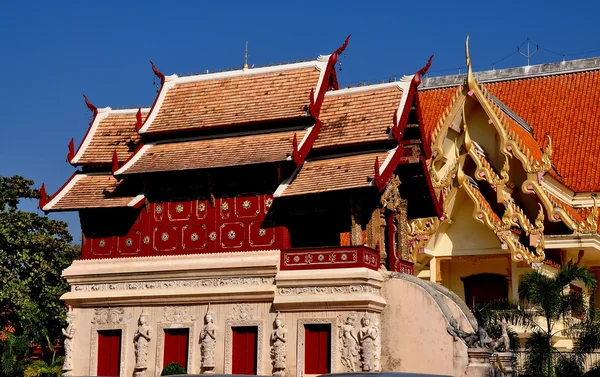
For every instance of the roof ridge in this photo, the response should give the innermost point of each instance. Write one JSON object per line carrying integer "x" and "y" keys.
{"x": 521, "y": 72}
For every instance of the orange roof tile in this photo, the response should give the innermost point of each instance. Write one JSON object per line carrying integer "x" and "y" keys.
{"x": 212, "y": 153}
{"x": 93, "y": 191}
{"x": 339, "y": 173}
{"x": 109, "y": 133}
{"x": 432, "y": 103}
{"x": 248, "y": 97}
{"x": 567, "y": 107}
{"x": 360, "y": 115}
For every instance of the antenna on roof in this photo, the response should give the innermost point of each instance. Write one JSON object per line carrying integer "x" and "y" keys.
{"x": 529, "y": 54}
{"x": 246, "y": 57}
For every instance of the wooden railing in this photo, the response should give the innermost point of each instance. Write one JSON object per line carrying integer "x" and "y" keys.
{"x": 329, "y": 257}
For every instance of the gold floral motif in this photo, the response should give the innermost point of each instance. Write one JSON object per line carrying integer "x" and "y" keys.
{"x": 212, "y": 236}
{"x": 164, "y": 236}
{"x": 179, "y": 208}
{"x": 246, "y": 204}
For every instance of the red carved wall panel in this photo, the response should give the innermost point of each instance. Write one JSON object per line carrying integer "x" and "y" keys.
{"x": 193, "y": 226}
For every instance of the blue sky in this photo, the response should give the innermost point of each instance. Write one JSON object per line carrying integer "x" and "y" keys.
{"x": 52, "y": 52}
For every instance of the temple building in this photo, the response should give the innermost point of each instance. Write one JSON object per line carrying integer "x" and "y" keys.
{"x": 266, "y": 221}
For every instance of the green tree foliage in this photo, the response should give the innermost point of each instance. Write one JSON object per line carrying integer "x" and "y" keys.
{"x": 173, "y": 369}
{"x": 13, "y": 355}
{"x": 34, "y": 250}
{"x": 549, "y": 299}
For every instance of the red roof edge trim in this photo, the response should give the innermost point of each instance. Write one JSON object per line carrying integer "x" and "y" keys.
{"x": 71, "y": 153}
{"x": 91, "y": 106}
{"x": 158, "y": 73}
{"x": 43, "y": 197}
{"x": 43, "y": 202}
{"x": 329, "y": 80}
{"x": 299, "y": 154}
{"x": 438, "y": 203}
{"x": 426, "y": 144}
{"x": 162, "y": 87}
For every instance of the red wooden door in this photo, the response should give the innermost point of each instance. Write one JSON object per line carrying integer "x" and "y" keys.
{"x": 243, "y": 353}
{"x": 317, "y": 348}
{"x": 109, "y": 352}
{"x": 176, "y": 347}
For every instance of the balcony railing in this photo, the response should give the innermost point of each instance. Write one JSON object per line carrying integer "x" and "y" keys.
{"x": 329, "y": 257}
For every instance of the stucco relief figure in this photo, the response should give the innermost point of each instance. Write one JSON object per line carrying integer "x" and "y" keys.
{"x": 278, "y": 344}
{"x": 366, "y": 339}
{"x": 479, "y": 339}
{"x": 503, "y": 344}
{"x": 141, "y": 338}
{"x": 208, "y": 340}
{"x": 349, "y": 343}
{"x": 377, "y": 349}
{"x": 68, "y": 332}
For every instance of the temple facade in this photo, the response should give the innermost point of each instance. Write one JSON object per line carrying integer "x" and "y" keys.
{"x": 266, "y": 221}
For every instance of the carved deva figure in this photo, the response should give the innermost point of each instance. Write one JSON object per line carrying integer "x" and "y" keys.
{"x": 504, "y": 341}
{"x": 349, "y": 343}
{"x": 141, "y": 338}
{"x": 278, "y": 342}
{"x": 69, "y": 332}
{"x": 208, "y": 337}
{"x": 366, "y": 339}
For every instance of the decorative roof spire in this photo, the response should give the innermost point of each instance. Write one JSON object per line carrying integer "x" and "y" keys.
{"x": 470, "y": 78}
{"x": 246, "y": 57}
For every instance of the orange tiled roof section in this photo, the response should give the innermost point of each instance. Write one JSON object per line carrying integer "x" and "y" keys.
{"x": 566, "y": 107}
{"x": 432, "y": 103}
{"x": 95, "y": 191}
{"x": 359, "y": 117}
{"x": 249, "y": 98}
{"x": 212, "y": 153}
{"x": 116, "y": 132}
{"x": 333, "y": 174}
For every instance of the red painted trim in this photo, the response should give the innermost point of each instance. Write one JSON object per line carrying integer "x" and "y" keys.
{"x": 437, "y": 203}
{"x": 162, "y": 86}
{"x": 417, "y": 78}
{"x": 71, "y": 153}
{"x": 329, "y": 257}
{"x": 299, "y": 155}
{"x": 377, "y": 174}
{"x": 314, "y": 107}
{"x": 94, "y": 109}
{"x": 48, "y": 200}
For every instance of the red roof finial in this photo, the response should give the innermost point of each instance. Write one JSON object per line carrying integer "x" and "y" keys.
{"x": 90, "y": 105}
{"x": 340, "y": 49}
{"x": 421, "y": 72}
{"x": 43, "y": 197}
{"x": 115, "y": 162}
{"x": 138, "y": 119}
{"x": 295, "y": 152}
{"x": 158, "y": 73}
{"x": 71, "y": 153}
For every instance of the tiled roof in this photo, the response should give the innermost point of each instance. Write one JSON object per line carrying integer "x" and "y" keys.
{"x": 361, "y": 115}
{"x": 199, "y": 102}
{"x": 112, "y": 132}
{"x": 212, "y": 153}
{"x": 567, "y": 107}
{"x": 432, "y": 103}
{"x": 93, "y": 191}
{"x": 338, "y": 173}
